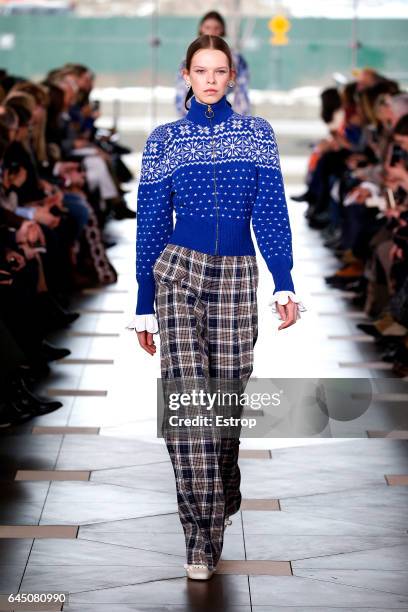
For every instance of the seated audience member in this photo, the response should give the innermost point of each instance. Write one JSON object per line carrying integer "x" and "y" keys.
{"x": 357, "y": 196}
{"x": 60, "y": 182}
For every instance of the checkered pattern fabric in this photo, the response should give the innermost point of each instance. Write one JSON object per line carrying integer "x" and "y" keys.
{"x": 208, "y": 324}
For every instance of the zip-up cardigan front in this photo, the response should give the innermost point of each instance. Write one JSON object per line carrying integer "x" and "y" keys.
{"x": 217, "y": 170}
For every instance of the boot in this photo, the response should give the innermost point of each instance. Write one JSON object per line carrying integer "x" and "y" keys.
{"x": 120, "y": 210}
{"x": 13, "y": 414}
{"x": 49, "y": 352}
{"x": 52, "y": 314}
{"x": 23, "y": 400}
{"x": 303, "y": 197}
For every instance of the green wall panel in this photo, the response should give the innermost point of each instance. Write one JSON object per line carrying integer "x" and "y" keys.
{"x": 120, "y": 46}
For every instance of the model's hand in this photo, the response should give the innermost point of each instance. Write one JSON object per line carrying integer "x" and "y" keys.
{"x": 288, "y": 313}
{"x": 146, "y": 342}
{"x": 287, "y": 306}
{"x": 145, "y": 326}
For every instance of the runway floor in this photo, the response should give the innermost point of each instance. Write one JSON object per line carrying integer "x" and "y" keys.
{"x": 88, "y": 505}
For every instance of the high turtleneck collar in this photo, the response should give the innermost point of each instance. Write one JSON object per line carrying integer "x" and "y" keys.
{"x": 222, "y": 110}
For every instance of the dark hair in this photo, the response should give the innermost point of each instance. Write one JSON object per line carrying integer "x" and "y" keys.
{"x": 77, "y": 69}
{"x": 38, "y": 92}
{"x": 213, "y": 15}
{"x": 9, "y": 81}
{"x": 55, "y": 98}
{"x": 4, "y": 143}
{"x": 380, "y": 88}
{"x": 22, "y": 112}
{"x": 401, "y": 127}
{"x": 8, "y": 117}
{"x": 331, "y": 101}
{"x": 54, "y": 110}
{"x": 206, "y": 42}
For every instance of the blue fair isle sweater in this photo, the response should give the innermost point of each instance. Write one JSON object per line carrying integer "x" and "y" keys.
{"x": 217, "y": 170}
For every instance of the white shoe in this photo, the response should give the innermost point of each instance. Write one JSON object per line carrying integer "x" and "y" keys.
{"x": 198, "y": 572}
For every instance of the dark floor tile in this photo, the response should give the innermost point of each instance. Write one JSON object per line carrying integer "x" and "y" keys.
{"x": 191, "y": 607}
{"x": 382, "y": 580}
{"x": 291, "y": 548}
{"x": 14, "y": 552}
{"x": 379, "y": 505}
{"x": 21, "y": 513}
{"x": 160, "y": 524}
{"x": 220, "y": 594}
{"x": 314, "y": 609}
{"x": 13, "y": 492}
{"x": 304, "y": 592}
{"x": 10, "y": 577}
{"x": 98, "y": 553}
{"x": 171, "y": 544}
{"x": 353, "y": 452}
{"x": 389, "y": 558}
{"x": 289, "y": 480}
{"x": 27, "y": 452}
{"x": 104, "y": 452}
{"x": 138, "y": 477}
{"x": 96, "y": 502}
{"x": 309, "y": 470}
{"x": 296, "y": 523}
{"x": 102, "y": 578}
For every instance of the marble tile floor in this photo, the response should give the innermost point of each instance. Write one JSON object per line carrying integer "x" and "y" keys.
{"x": 323, "y": 524}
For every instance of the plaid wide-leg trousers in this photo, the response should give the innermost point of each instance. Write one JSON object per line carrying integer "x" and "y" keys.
{"x": 206, "y": 308}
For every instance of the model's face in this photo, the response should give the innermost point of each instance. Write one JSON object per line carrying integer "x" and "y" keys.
{"x": 212, "y": 27}
{"x": 209, "y": 75}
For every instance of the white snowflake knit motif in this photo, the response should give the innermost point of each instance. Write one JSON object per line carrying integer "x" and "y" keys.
{"x": 178, "y": 175}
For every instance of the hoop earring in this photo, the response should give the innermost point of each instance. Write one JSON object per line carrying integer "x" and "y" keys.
{"x": 231, "y": 84}
{"x": 187, "y": 84}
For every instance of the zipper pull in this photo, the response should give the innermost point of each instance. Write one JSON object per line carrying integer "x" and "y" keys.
{"x": 210, "y": 111}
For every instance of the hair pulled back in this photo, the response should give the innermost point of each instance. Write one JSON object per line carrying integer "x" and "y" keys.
{"x": 206, "y": 42}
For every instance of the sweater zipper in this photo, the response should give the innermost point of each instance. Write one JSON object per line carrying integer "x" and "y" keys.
{"x": 210, "y": 115}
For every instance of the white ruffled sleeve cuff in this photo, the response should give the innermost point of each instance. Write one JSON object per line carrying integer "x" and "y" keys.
{"x": 146, "y": 322}
{"x": 282, "y": 298}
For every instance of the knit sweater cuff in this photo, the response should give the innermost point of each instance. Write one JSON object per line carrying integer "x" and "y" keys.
{"x": 282, "y": 278}
{"x": 145, "y": 296}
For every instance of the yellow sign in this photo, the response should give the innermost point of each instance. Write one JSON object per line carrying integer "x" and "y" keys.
{"x": 279, "y": 26}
